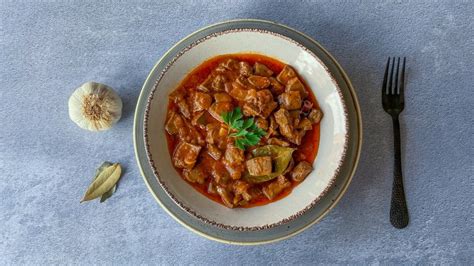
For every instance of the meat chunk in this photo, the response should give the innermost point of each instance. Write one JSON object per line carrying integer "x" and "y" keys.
{"x": 255, "y": 192}
{"x": 211, "y": 132}
{"x": 276, "y": 87}
{"x": 195, "y": 175}
{"x": 190, "y": 135}
{"x": 220, "y": 174}
{"x": 245, "y": 69}
{"x": 241, "y": 188}
{"x": 180, "y": 100}
{"x": 237, "y": 199}
{"x": 238, "y": 91}
{"x": 282, "y": 117}
{"x": 278, "y": 142}
{"x": 259, "y": 165}
{"x": 211, "y": 188}
{"x": 201, "y": 101}
{"x": 233, "y": 161}
{"x": 285, "y": 123}
{"x": 225, "y": 196}
{"x": 230, "y": 64}
{"x": 297, "y": 136}
{"x": 261, "y": 123}
{"x": 234, "y": 155}
{"x": 260, "y": 108}
{"x": 175, "y": 121}
{"x": 214, "y": 152}
{"x": 286, "y": 74}
{"x": 216, "y": 134}
{"x": 185, "y": 155}
{"x": 305, "y": 124}
{"x": 290, "y": 100}
{"x": 199, "y": 120}
{"x": 218, "y": 83}
{"x": 264, "y": 97}
{"x": 218, "y": 108}
{"x": 262, "y": 70}
{"x": 221, "y": 69}
{"x": 184, "y": 108}
{"x": 259, "y": 82}
{"x": 251, "y": 96}
{"x": 184, "y": 129}
{"x": 250, "y": 109}
{"x": 301, "y": 170}
{"x": 295, "y": 116}
{"x": 206, "y": 85}
{"x": 244, "y": 82}
{"x": 315, "y": 116}
{"x": 222, "y": 97}
{"x": 228, "y": 87}
{"x": 276, "y": 187}
{"x": 295, "y": 84}
{"x": 272, "y": 128}
{"x": 265, "y": 103}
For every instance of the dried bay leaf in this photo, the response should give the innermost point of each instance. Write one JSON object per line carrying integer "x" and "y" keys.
{"x": 104, "y": 183}
{"x": 101, "y": 168}
{"x": 109, "y": 193}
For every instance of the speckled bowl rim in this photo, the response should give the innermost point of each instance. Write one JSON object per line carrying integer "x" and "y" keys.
{"x": 320, "y": 212}
{"x": 188, "y": 208}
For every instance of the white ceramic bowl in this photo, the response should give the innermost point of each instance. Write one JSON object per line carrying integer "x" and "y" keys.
{"x": 333, "y": 134}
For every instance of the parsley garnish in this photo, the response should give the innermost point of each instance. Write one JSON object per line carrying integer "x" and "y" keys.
{"x": 246, "y": 132}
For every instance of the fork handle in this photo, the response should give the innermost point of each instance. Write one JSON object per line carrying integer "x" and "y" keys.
{"x": 398, "y": 206}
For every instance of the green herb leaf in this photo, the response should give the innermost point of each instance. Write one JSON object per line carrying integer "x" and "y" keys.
{"x": 238, "y": 124}
{"x": 226, "y": 118}
{"x": 248, "y": 123}
{"x": 239, "y": 143}
{"x": 253, "y": 139}
{"x": 236, "y": 114}
{"x": 260, "y": 132}
{"x": 246, "y": 132}
{"x": 241, "y": 133}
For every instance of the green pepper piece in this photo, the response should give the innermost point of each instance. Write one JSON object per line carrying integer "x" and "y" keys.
{"x": 281, "y": 157}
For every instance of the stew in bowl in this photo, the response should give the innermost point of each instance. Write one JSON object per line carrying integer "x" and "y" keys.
{"x": 243, "y": 129}
{"x": 244, "y": 136}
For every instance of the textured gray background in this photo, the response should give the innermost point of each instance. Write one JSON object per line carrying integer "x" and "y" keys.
{"x": 48, "y": 48}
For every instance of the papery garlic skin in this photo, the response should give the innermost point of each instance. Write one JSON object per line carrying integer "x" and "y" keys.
{"x": 95, "y": 107}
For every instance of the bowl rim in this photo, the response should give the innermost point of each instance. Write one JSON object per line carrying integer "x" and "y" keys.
{"x": 343, "y": 76}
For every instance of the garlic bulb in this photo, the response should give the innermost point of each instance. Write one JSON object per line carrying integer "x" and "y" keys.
{"x": 94, "y": 106}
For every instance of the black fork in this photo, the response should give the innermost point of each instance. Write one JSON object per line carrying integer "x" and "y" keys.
{"x": 393, "y": 103}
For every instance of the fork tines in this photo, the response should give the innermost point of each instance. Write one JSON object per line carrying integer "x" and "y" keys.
{"x": 387, "y": 88}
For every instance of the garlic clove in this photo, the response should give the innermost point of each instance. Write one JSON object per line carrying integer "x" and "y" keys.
{"x": 94, "y": 106}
